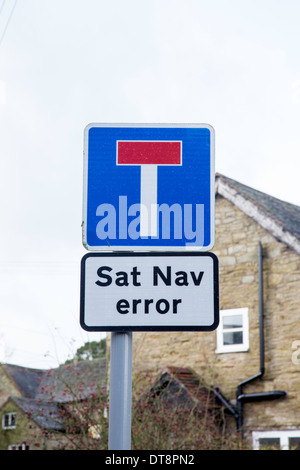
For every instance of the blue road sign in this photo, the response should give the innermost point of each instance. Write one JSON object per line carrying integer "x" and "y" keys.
{"x": 148, "y": 187}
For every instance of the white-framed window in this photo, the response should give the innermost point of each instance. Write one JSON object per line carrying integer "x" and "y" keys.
{"x": 284, "y": 440}
{"x": 9, "y": 420}
{"x": 233, "y": 331}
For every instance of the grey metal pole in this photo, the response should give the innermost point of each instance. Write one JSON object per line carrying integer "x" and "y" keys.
{"x": 120, "y": 391}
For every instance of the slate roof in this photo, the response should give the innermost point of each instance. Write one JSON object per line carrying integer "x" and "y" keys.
{"x": 33, "y": 383}
{"x": 27, "y": 380}
{"x": 280, "y": 218}
{"x": 46, "y": 415}
{"x": 187, "y": 390}
{"x": 44, "y": 392}
{"x": 84, "y": 378}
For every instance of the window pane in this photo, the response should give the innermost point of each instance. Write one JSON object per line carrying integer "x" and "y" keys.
{"x": 234, "y": 337}
{"x": 232, "y": 321}
{"x": 9, "y": 420}
{"x": 294, "y": 443}
{"x": 269, "y": 443}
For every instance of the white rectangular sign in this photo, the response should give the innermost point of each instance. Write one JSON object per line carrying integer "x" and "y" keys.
{"x": 149, "y": 291}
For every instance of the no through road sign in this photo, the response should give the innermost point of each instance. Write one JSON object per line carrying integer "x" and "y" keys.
{"x": 148, "y": 186}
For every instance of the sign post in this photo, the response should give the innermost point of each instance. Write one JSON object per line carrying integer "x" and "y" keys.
{"x": 148, "y": 218}
{"x": 119, "y": 437}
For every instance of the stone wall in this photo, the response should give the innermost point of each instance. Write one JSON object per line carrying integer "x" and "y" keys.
{"x": 237, "y": 239}
{"x": 7, "y": 386}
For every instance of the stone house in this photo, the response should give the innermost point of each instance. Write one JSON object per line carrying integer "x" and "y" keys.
{"x": 36, "y": 406}
{"x": 253, "y": 358}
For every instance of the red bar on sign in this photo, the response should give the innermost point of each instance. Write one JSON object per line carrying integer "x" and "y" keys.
{"x": 148, "y": 152}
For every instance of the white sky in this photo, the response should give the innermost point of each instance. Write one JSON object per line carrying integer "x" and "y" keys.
{"x": 65, "y": 63}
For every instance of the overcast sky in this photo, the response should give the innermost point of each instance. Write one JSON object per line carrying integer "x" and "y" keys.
{"x": 65, "y": 63}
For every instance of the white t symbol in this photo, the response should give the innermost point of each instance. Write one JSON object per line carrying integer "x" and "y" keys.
{"x": 148, "y": 155}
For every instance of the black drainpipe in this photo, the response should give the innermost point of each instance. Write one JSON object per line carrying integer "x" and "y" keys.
{"x": 250, "y": 397}
{"x": 241, "y": 397}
